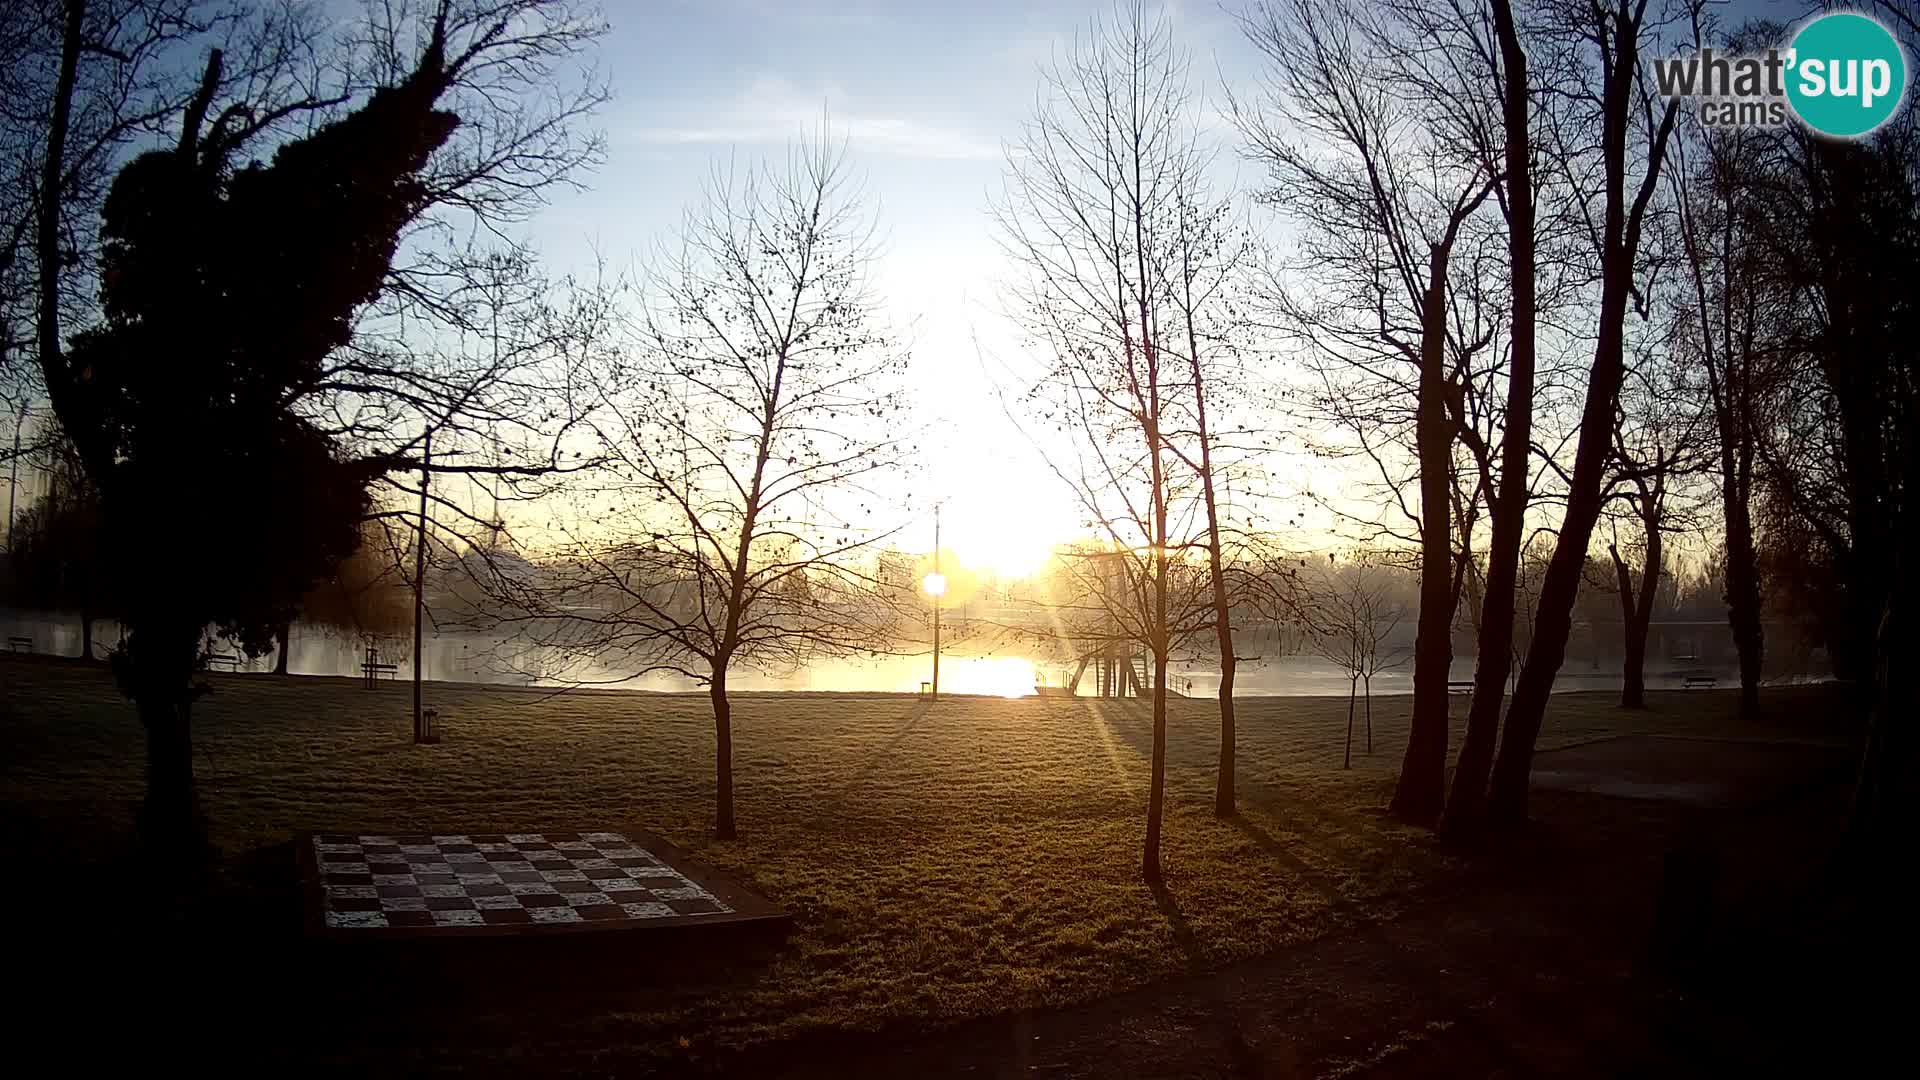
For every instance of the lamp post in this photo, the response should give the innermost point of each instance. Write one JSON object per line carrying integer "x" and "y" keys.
{"x": 936, "y": 586}
{"x": 419, "y": 578}
{"x": 13, "y": 472}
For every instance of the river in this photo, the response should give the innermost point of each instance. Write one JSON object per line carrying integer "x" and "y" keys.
{"x": 464, "y": 657}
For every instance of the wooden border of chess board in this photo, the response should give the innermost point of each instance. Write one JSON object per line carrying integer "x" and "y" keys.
{"x": 749, "y": 909}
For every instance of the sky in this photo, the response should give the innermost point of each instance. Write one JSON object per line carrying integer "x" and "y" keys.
{"x": 926, "y": 95}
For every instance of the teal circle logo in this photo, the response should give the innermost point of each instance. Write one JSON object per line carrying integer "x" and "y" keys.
{"x": 1848, "y": 75}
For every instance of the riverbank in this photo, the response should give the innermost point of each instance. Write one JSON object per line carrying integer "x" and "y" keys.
{"x": 943, "y": 861}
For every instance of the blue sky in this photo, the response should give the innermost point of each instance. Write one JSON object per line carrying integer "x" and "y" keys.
{"x": 926, "y": 92}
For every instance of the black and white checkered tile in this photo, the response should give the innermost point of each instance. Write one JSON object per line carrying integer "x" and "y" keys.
{"x": 471, "y": 880}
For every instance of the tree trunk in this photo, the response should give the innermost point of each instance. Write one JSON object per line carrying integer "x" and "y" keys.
{"x": 1367, "y": 690}
{"x": 1553, "y": 614}
{"x": 1466, "y": 801}
{"x": 281, "y": 636}
{"x": 1156, "y": 792}
{"x": 1743, "y": 603}
{"x": 171, "y": 812}
{"x": 1346, "y": 754}
{"x": 1421, "y": 790}
{"x": 1882, "y": 817}
{"x": 1216, "y": 570}
{"x": 1882, "y": 805}
{"x": 1222, "y": 627}
{"x": 52, "y": 191}
{"x": 723, "y": 826}
{"x": 1636, "y": 617}
{"x": 1633, "y": 646}
{"x": 1223, "y": 787}
{"x": 155, "y": 669}
{"x": 1730, "y": 388}
{"x": 86, "y": 635}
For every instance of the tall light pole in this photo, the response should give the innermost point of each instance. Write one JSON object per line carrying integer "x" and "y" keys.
{"x": 420, "y": 733}
{"x": 936, "y": 585}
{"x": 13, "y": 471}
{"x": 419, "y": 574}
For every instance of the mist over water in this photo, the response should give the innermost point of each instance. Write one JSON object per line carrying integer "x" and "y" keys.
{"x": 475, "y": 658}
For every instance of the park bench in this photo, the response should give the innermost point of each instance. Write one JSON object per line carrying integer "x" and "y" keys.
{"x": 1699, "y": 682}
{"x": 1460, "y": 687}
{"x": 19, "y": 644}
{"x": 373, "y": 670}
{"x": 231, "y": 661}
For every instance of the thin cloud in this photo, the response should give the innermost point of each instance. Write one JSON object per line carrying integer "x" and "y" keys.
{"x": 774, "y": 111}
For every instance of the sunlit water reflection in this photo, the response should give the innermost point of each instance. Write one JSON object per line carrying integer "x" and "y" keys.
{"x": 457, "y": 657}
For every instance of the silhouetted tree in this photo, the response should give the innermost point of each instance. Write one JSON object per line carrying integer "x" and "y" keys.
{"x": 1595, "y": 51}
{"x": 1844, "y": 221}
{"x": 1100, "y": 190}
{"x": 1660, "y": 441}
{"x": 1352, "y": 611}
{"x": 366, "y": 595}
{"x": 1737, "y": 299}
{"x": 53, "y": 549}
{"x": 1384, "y": 186}
{"x": 131, "y": 67}
{"x": 747, "y": 437}
{"x": 1494, "y": 638}
{"x": 226, "y": 290}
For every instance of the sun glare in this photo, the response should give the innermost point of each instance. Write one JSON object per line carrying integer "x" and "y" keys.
{"x": 1007, "y": 555}
{"x": 988, "y": 676}
{"x": 1006, "y": 529}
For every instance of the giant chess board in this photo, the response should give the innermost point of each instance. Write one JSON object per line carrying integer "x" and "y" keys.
{"x": 509, "y": 883}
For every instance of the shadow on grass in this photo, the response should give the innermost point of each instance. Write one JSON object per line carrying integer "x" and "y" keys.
{"x": 1280, "y": 853}
{"x": 884, "y": 754}
{"x": 850, "y": 794}
{"x": 1183, "y": 934}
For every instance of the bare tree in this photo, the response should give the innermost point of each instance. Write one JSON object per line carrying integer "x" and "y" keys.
{"x": 1660, "y": 439}
{"x": 1094, "y": 217}
{"x": 1209, "y": 264}
{"x": 748, "y": 435}
{"x": 54, "y": 556}
{"x": 280, "y": 84}
{"x": 1734, "y": 293}
{"x": 1841, "y": 220}
{"x": 1381, "y": 145}
{"x": 1353, "y": 610}
{"x": 1494, "y": 640}
{"x": 81, "y": 83}
{"x": 365, "y": 597}
{"x": 1614, "y": 31}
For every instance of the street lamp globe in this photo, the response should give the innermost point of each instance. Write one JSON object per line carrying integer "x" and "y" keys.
{"x": 935, "y": 584}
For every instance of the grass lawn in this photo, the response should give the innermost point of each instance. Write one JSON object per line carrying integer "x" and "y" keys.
{"x": 943, "y": 861}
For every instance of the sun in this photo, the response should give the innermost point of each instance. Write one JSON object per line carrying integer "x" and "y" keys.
{"x": 1002, "y": 517}
{"x": 1009, "y": 534}
{"x": 1008, "y": 555}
